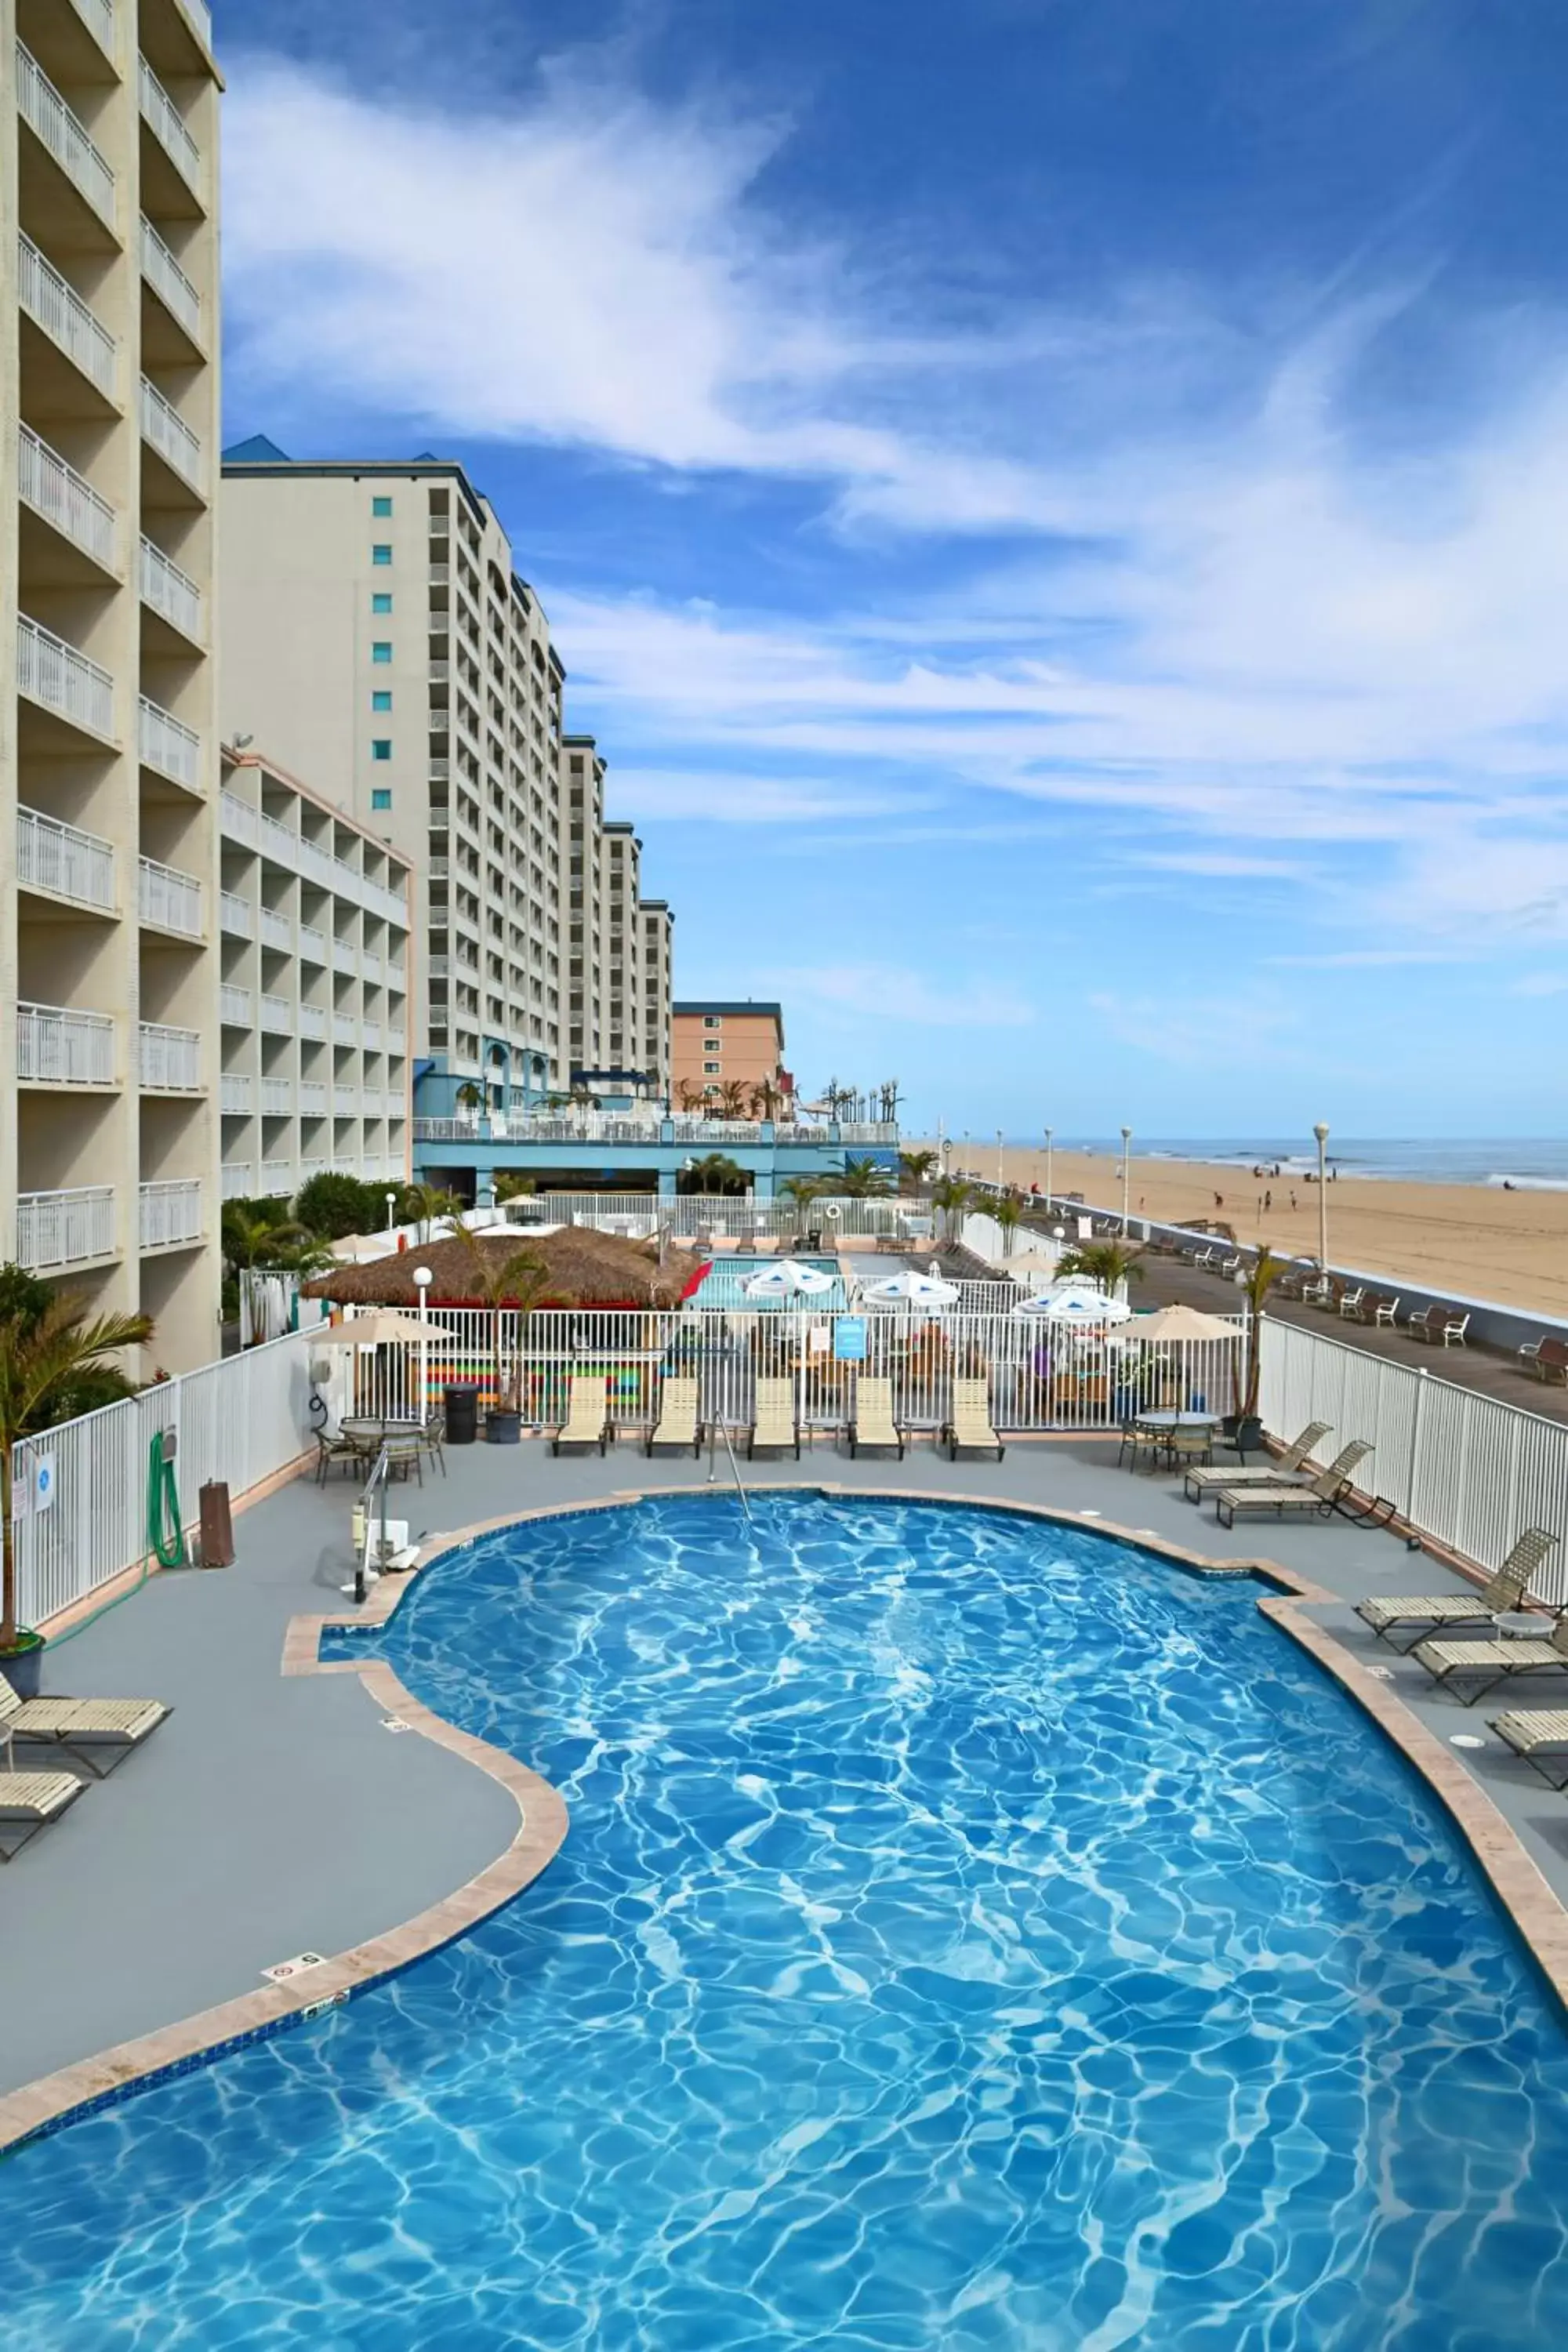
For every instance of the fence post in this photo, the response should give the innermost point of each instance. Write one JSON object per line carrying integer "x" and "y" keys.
{"x": 1417, "y": 1417}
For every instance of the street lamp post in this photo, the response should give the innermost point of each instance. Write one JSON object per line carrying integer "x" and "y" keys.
{"x": 392, "y": 1213}
{"x": 1322, "y": 1132}
{"x": 1050, "y": 1134}
{"x": 423, "y": 1277}
{"x": 1001, "y": 1171}
{"x": 1126, "y": 1171}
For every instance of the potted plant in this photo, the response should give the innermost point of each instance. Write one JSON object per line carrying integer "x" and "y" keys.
{"x": 1243, "y": 1429}
{"x": 519, "y": 1280}
{"x": 54, "y": 1364}
{"x": 469, "y": 1102}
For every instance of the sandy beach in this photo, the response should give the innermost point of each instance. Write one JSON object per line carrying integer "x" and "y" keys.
{"x": 1470, "y": 1238}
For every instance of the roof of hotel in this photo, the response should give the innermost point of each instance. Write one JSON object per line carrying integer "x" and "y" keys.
{"x": 723, "y": 1004}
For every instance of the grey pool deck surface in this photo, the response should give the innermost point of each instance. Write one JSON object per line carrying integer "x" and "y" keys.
{"x": 276, "y": 1814}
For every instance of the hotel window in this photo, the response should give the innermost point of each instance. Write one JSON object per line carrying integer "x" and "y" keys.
{"x": 381, "y": 506}
{"x": 381, "y": 651}
{"x": 710, "y": 1069}
{"x": 381, "y": 748}
{"x": 382, "y": 601}
{"x": 712, "y": 1021}
{"x": 381, "y": 552}
{"x": 381, "y": 798}
{"x": 382, "y": 699}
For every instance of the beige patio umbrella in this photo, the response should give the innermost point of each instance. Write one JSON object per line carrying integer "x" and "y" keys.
{"x": 1174, "y": 1323}
{"x": 383, "y": 1328}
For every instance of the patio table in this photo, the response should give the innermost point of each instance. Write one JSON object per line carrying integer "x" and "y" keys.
{"x": 1167, "y": 1417}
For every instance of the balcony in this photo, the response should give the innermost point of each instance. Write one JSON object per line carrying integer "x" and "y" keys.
{"x": 163, "y": 119}
{"x": 169, "y": 282}
{"x": 168, "y": 432}
{"x": 67, "y": 503}
{"x": 171, "y": 1213}
{"x": 372, "y": 1036}
{"x": 234, "y": 915}
{"x": 44, "y": 111}
{"x": 312, "y": 944}
{"x": 309, "y": 1168}
{"x": 395, "y": 976}
{"x": 345, "y": 1029}
{"x": 238, "y": 1177}
{"x": 345, "y": 1102}
{"x": 276, "y": 1097}
{"x": 277, "y": 930}
{"x": 166, "y": 744}
{"x": 277, "y": 1016}
{"x": 312, "y": 1097}
{"x": 313, "y": 1021}
{"x": 55, "y": 1229}
{"x": 63, "y": 862}
{"x": 199, "y": 17}
{"x": 370, "y": 966}
{"x": 239, "y": 822}
{"x": 276, "y": 1176}
{"x": 98, "y": 15}
{"x": 168, "y": 900}
{"x": 171, "y": 1059}
{"x": 170, "y": 592}
{"x": 236, "y": 1094}
{"x": 65, "y": 317}
{"x": 50, "y": 672}
{"x": 233, "y": 1005}
{"x": 58, "y": 1047}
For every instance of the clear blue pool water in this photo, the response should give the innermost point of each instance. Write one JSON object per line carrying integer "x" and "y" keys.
{"x": 971, "y": 1934}
{"x": 726, "y": 1286}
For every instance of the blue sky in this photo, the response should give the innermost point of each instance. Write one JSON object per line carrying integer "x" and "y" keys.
{"x": 1055, "y": 509}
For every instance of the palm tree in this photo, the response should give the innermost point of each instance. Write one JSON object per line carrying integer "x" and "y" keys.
{"x": 916, "y": 1168}
{"x": 951, "y": 1198}
{"x": 250, "y": 1237}
{"x": 1008, "y": 1212}
{"x": 45, "y": 1361}
{"x": 469, "y": 1097}
{"x": 1263, "y": 1272}
{"x": 865, "y": 1180}
{"x": 1108, "y": 1264}
{"x": 801, "y": 1190}
{"x": 714, "y": 1174}
{"x": 519, "y": 1279}
{"x": 691, "y": 1095}
{"x": 732, "y": 1097}
{"x": 425, "y": 1204}
{"x": 767, "y": 1099}
{"x": 511, "y": 1186}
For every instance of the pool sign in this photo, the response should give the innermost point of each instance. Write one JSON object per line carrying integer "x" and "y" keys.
{"x": 849, "y": 1340}
{"x": 42, "y": 1482}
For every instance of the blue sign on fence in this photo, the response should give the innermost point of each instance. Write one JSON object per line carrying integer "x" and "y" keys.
{"x": 849, "y": 1340}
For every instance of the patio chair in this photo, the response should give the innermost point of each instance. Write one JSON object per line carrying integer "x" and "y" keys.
{"x": 1180, "y": 1445}
{"x": 1136, "y": 1438}
{"x": 433, "y": 1438}
{"x": 1386, "y": 1312}
{"x": 1280, "y": 1473}
{"x": 872, "y": 1422}
{"x": 678, "y": 1423}
{"x": 1499, "y": 1661}
{"x": 587, "y": 1421}
{"x": 77, "y": 1725}
{"x": 1454, "y": 1328}
{"x": 1538, "y": 1736}
{"x": 1350, "y": 1302}
{"x": 1442, "y": 1326}
{"x": 1320, "y": 1496}
{"x": 30, "y": 1802}
{"x": 970, "y": 1430}
{"x": 775, "y": 1426}
{"x": 1504, "y": 1590}
{"x": 1550, "y": 1362}
{"x": 330, "y": 1450}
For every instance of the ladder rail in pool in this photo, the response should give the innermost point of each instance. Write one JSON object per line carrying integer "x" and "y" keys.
{"x": 719, "y": 1427}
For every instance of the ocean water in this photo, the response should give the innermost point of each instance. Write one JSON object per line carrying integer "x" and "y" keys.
{"x": 1538, "y": 1163}
{"x": 971, "y": 1935}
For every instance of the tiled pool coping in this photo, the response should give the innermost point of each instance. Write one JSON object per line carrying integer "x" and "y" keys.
{"x": 56, "y": 2099}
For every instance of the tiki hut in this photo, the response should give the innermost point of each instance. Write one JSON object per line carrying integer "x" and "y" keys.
{"x": 584, "y": 1268}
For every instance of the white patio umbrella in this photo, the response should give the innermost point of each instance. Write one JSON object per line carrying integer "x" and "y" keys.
{"x": 787, "y": 1277}
{"x": 1075, "y": 1303}
{"x": 909, "y": 1289}
{"x": 1172, "y": 1323}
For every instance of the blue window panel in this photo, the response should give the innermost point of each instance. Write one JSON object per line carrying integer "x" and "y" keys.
{"x": 381, "y": 553}
{"x": 381, "y": 748}
{"x": 382, "y": 699}
{"x": 381, "y": 651}
{"x": 381, "y": 798}
{"x": 381, "y": 506}
{"x": 382, "y": 601}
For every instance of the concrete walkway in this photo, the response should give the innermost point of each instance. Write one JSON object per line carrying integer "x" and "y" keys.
{"x": 273, "y": 1815}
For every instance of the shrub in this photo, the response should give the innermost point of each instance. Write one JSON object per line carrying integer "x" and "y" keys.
{"x": 332, "y": 1205}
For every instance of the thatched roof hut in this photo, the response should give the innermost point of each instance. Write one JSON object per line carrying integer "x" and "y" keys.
{"x": 586, "y": 1269}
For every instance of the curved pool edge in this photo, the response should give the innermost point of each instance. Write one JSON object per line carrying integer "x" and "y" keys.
{"x": 54, "y": 2101}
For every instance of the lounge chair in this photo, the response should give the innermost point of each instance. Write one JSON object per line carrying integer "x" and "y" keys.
{"x": 77, "y": 1725}
{"x": 872, "y": 1422}
{"x": 587, "y": 1421}
{"x": 30, "y": 1802}
{"x": 1550, "y": 1361}
{"x": 1320, "y": 1496}
{"x": 1538, "y": 1736}
{"x": 774, "y": 1423}
{"x": 678, "y": 1423}
{"x": 1443, "y": 1326}
{"x": 1285, "y": 1471}
{"x": 970, "y": 1428}
{"x": 1496, "y": 1661}
{"x": 1505, "y": 1590}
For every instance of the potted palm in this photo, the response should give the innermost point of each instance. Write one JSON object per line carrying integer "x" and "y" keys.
{"x": 54, "y": 1364}
{"x": 519, "y": 1280}
{"x": 1243, "y": 1429}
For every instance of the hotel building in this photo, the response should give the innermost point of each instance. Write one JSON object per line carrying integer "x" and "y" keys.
{"x": 616, "y": 972}
{"x": 718, "y": 1043}
{"x": 108, "y": 747}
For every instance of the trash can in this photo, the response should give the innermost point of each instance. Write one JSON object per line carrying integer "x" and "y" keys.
{"x": 461, "y": 1400}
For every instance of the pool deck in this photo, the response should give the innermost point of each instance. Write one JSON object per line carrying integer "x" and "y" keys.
{"x": 274, "y": 1812}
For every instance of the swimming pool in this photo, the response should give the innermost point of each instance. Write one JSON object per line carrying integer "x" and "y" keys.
{"x": 971, "y": 1933}
{"x": 725, "y": 1286}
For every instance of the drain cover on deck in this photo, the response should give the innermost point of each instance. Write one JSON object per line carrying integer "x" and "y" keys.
{"x": 284, "y": 1971}
{"x": 1464, "y": 1739}
{"x": 394, "y": 1723}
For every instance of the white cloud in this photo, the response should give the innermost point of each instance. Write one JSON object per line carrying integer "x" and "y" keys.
{"x": 888, "y": 993}
{"x": 712, "y": 796}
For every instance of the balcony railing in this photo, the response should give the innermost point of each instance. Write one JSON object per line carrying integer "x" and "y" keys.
{"x": 276, "y": 1176}
{"x": 315, "y": 1167}
{"x": 370, "y": 1033}
{"x": 313, "y": 1021}
{"x": 277, "y": 1016}
{"x": 233, "y": 1005}
{"x": 171, "y": 1213}
{"x": 167, "y": 744}
{"x": 345, "y": 1102}
{"x": 345, "y": 1029}
{"x": 312, "y": 1096}
{"x": 278, "y": 1097}
{"x": 65, "y": 1228}
{"x": 169, "y": 282}
{"x": 234, "y": 915}
{"x": 236, "y": 1094}
{"x": 64, "y": 861}
{"x": 238, "y": 820}
{"x": 53, "y": 673}
{"x": 168, "y": 432}
{"x": 277, "y": 930}
{"x": 68, "y": 140}
{"x": 167, "y": 589}
{"x": 312, "y": 943}
{"x": 163, "y": 118}
{"x": 171, "y": 1059}
{"x": 199, "y": 17}
{"x": 168, "y": 899}
{"x": 58, "y": 493}
{"x": 370, "y": 966}
{"x": 98, "y": 15}
{"x": 58, "y": 1046}
{"x": 239, "y": 1179}
{"x": 396, "y": 977}
{"x": 65, "y": 317}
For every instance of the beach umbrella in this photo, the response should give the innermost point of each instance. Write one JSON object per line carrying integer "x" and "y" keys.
{"x": 909, "y": 1289}
{"x": 383, "y": 1329}
{"x": 788, "y": 1278}
{"x": 1176, "y": 1323}
{"x": 1069, "y": 1303}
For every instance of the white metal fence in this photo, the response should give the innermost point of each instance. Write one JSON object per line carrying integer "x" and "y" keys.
{"x": 240, "y": 1421}
{"x": 727, "y": 1217}
{"x": 1470, "y": 1470}
{"x": 1039, "y": 1377}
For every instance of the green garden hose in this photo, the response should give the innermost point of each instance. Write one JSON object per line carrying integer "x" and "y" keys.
{"x": 163, "y": 1532}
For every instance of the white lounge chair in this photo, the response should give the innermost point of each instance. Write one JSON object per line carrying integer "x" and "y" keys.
{"x": 678, "y": 1423}
{"x": 970, "y": 1430}
{"x": 1285, "y": 1470}
{"x": 1430, "y": 1612}
{"x": 1494, "y": 1661}
{"x": 872, "y": 1422}
{"x": 775, "y": 1427}
{"x": 1538, "y": 1734}
{"x": 29, "y": 1802}
{"x": 587, "y": 1421}
{"x": 1319, "y": 1495}
{"x": 80, "y": 1725}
